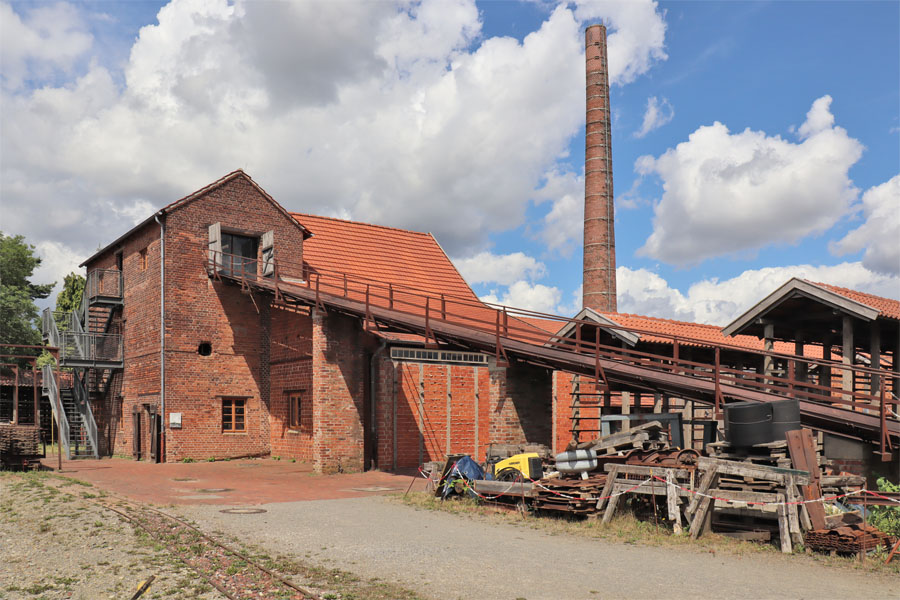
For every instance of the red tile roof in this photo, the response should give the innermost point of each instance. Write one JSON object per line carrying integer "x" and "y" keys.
{"x": 888, "y": 308}
{"x": 381, "y": 254}
{"x": 647, "y": 326}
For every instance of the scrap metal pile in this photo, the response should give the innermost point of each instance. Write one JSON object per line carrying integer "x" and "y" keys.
{"x": 772, "y": 489}
{"x": 849, "y": 538}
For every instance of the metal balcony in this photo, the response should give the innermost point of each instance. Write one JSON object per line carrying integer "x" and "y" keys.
{"x": 104, "y": 286}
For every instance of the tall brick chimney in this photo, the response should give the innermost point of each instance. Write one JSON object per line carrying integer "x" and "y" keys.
{"x": 599, "y": 275}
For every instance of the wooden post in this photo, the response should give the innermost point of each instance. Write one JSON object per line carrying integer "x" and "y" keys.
{"x": 607, "y": 490}
{"x": 793, "y": 519}
{"x": 875, "y": 354}
{"x": 800, "y": 370}
{"x": 825, "y": 371}
{"x": 15, "y": 415}
{"x": 848, "y": 351}
{"x": 672, "y": 502}
{"x": 768, "y": 346}
{"x": 784, "y": 528}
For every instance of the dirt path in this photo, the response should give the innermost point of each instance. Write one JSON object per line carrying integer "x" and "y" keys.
{"x": 448, "y": 556}
{"x": 56, "y": 544}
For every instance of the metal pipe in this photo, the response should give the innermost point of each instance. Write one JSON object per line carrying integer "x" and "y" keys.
{"x": 373, "y": 425}
{"x": 162, "y": 337}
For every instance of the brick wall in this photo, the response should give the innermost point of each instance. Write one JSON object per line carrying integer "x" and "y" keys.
{"x": 340, "y": 350}
{"x": 428, "y": 410}
{"x": 197, "y": 310}
{"x": 290, "y": 369}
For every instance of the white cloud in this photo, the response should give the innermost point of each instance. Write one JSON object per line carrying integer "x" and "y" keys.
{"x": 530, "y": 296}
{"x": 636, "y": 34}
{"x": 504, "y": 269}
{"x": 398, "y": 113}
{"x": 727, "y": 193}
{"x": 516, "y": 273}
{"x": 719, "y": 302}
{"x": 818, "y": 119}
{"x": 50, "y": 38}
{"x": 563, "y": 226}
{"x": 658, "y": 113}
{"x": 880, "y": 234}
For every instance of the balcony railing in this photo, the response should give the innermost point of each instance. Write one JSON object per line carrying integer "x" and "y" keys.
{"x": 89, "y": 347}
{"x": 104, "y": 283}
{"x": 51, "y": 390}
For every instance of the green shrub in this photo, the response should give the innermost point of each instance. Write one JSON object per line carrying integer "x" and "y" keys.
{"x": 886, "y": 518}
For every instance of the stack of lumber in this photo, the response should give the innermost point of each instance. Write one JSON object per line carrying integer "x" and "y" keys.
{"x": 672, "y": 484}
{"x": 774, "y": 454}
{"x": 569, "y": 495}
{"x": 748, "y": 509}
{"x": 647, "y": 436}
{"x": 19, "y": 440}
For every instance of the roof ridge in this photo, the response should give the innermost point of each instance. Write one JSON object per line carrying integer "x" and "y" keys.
{"x": 662, "y": 319}
{"x": 206, "y": 188}
{"x": 831, "y": 286}
{"x": 338, "y": 219}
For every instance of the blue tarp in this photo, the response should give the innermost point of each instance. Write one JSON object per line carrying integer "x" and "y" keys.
{"x": 465, "y": 468}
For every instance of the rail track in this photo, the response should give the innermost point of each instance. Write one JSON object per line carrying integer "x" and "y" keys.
{"x": 233, "y": 573}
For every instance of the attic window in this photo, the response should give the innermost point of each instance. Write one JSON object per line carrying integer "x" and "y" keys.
{"x": 239, "y": 253}
{"x": 204, "y": 349}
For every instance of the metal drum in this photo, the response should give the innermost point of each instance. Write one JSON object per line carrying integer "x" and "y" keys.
{"x": 785, "y": 417}
{"x": 576, "y": 461}
{"x": 748, "y": 423}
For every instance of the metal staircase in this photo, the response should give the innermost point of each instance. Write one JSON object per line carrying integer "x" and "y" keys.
{"x": 87, "y": 347}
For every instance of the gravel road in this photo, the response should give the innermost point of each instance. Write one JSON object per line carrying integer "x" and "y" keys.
{"x": 449, "y": 556}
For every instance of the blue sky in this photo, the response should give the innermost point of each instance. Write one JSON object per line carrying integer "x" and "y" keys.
{"x": 467, "y": 121}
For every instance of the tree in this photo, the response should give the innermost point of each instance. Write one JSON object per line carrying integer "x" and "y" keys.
{"x": 69, "y": 299}
{"x": 18, "y": 312}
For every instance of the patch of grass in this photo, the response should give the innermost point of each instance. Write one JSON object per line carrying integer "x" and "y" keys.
{"x": 37, "y": 588}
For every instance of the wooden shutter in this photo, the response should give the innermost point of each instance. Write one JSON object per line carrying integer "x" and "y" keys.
{"x": 215, "y": 245}
{"x": 268, "y": 254}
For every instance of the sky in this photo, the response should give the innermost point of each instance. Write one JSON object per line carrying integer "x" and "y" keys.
{"x": 752, "y": 141}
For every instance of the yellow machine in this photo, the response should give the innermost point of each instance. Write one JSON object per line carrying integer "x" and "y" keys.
{"x": 521, "y": 466}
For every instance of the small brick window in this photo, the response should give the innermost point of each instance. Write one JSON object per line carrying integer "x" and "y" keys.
{"x": 143, "y": 256}
{"x": 233, "y": 415}
{"x": 295, "y": 406}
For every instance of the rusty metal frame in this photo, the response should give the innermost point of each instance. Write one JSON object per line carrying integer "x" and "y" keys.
{"x": 464, "y": 319}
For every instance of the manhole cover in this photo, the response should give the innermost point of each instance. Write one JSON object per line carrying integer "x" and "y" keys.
{"x": 184, "y": 479}
{"x": 215, "y": 490}
{"x": 243, "y": 511}
{"x": 374, "y": 488}
{"x": 245, "y": 465}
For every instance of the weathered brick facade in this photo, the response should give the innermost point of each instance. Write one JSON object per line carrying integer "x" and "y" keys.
{"x": 263, "y": 353}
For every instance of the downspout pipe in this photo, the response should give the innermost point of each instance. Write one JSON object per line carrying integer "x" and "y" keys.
{"x": 373, "y": 423}
{"x": 162, "y": 335}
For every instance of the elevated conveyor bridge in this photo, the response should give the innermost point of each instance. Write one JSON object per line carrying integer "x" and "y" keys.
{"x": 499, "y": 330}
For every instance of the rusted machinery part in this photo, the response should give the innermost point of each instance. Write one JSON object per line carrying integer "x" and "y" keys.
{"x": 687, "y": 457}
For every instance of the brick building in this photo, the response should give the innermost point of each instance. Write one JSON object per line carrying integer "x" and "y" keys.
{"x": 239, "y": 374}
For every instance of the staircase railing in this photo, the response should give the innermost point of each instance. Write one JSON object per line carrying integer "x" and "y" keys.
{"x": 83, "y": 406}
{"x": 49, "y": 329}
{"x": 76, "y": 344}
{"x": 50, "y": 388}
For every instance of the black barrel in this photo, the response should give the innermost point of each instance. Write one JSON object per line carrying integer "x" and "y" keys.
{"x": 748, "y": 423}
{"x": 785, "y": 417}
